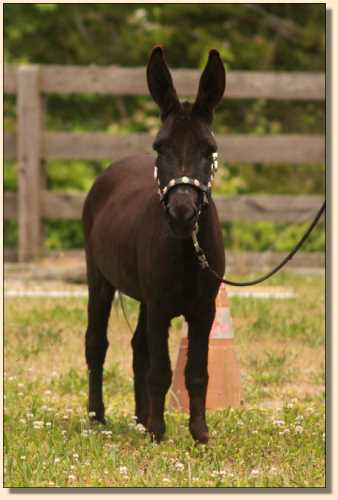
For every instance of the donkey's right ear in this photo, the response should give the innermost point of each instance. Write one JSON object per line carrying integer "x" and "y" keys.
{"x": 160, "y": 83}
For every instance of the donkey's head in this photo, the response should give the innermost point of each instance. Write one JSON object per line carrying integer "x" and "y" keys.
{"x": 185, "y": 145}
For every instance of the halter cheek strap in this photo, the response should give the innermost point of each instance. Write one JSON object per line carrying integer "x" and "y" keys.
{"x": 185, "y": 180}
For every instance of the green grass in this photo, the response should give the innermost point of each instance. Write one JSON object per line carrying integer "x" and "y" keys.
{"x": 276, "y": 439}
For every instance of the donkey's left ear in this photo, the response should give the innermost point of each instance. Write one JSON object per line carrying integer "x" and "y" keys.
{"x": 211, "y": 87}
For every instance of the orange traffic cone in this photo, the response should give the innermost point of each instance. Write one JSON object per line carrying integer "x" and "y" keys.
{"x": 224, "y": 375}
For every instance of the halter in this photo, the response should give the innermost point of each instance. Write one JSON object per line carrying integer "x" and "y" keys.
{"x": 204, "y": 189}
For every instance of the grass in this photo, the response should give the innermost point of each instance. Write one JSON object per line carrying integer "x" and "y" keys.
{"x": 276, "y": 439}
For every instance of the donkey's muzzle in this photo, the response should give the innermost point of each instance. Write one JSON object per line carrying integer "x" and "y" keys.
{"x": 182, "y": 210}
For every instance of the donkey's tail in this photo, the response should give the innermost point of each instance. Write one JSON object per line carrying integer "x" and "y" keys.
{"x": 124, "y": 311}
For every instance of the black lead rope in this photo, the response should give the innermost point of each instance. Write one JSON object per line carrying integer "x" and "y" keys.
{"x": 205, "y": 265}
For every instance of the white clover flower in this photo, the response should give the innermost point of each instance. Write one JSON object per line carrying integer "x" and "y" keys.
{"x": 57, "y": 460}
{"x": 140, "y": 428}
{"x": 279, "y": 423}
{"x": 298, "y": 429}
{"x": 92, "y": 413}
{"x": 299, "y": 418}
{"x": 123, "y": 470}
{"x": 71, "y": 477}
{"x": 38, "y": 424}
{"x": 75, "y": 455}
{"x": 179, "y": 466}
{"x": 254, "y": 473}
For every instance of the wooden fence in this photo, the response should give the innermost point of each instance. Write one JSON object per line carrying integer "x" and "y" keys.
{"x": 32, "y": 144}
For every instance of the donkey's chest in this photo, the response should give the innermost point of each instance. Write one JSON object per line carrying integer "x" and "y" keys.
{"x": 182, "y": 287}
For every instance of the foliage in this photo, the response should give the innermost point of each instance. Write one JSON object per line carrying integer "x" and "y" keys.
{"x": 278, "y": 37}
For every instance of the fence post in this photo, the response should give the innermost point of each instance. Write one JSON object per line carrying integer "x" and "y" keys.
{"x": 29, "y": 130}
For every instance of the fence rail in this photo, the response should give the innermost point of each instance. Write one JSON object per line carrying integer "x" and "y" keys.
{"x": 115, "y": 80}
{"x": 276, "y": 149}
{"x": 31, "y": 145}
{"x": 242, "y": 208}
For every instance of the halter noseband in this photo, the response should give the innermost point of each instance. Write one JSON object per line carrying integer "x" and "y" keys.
{"x": 185, "y": 180}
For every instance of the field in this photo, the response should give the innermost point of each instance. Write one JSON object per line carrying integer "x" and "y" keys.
{"x": 276, "y": 439}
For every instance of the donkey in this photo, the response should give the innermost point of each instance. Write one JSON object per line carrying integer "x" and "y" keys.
{"x": 138, "y": 241}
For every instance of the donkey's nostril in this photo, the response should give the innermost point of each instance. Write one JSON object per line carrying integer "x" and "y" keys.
{"x": 190, "y": 216}
{"x": 181, "y": 213}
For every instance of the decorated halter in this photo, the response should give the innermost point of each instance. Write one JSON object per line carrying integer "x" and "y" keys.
{"x": 204, "y": 189}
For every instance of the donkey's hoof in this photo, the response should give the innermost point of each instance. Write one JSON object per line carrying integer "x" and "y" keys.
{"x": 97, "y": 416}
{"x": 156, "y": 437}
{"x": 199, "y": 432}
{"x": 202, "y": 438}
{"x": 142, "y": 419}
{"x": 156, "y": 432}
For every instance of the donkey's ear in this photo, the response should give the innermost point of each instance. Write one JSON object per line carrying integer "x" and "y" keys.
{"x": 160, "y": 83}
{"x": 211, "y": 87}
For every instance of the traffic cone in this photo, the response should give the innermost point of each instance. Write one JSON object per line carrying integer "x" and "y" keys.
{"x": 224, "y": 388}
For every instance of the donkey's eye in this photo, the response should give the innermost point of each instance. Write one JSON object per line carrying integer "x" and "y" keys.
{"x": 208, "y": 151}
{"x": 208, "y": 158}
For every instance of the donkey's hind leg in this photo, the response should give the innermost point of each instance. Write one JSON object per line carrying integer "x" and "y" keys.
{"x": 101, "y": 294}
{"x": 140, "y": 366}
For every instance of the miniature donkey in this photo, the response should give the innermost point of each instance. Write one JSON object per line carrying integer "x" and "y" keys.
{"x": 138, "y": 241}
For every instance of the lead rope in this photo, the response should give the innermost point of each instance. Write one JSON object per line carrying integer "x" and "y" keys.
{"x": 203, "y": 261}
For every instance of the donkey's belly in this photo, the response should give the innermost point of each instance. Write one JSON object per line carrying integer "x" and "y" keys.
{"x": 113, "y": 216}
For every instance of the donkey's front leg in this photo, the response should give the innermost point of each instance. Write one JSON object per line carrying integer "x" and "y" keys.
{"x": 196, "y": 371}
{"x": 159, "y": 375}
